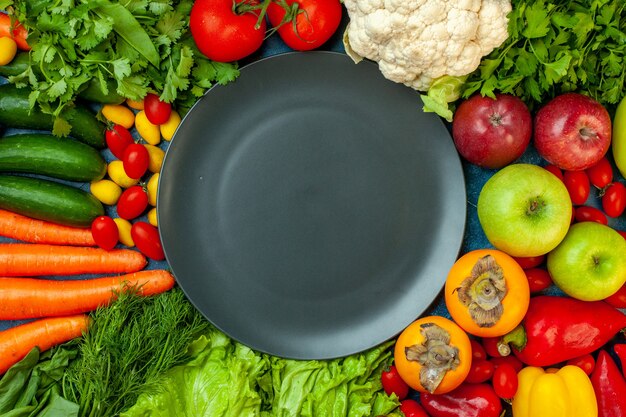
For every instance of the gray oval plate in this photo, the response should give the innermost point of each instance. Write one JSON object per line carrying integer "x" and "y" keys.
{"x": 310, "y": 209}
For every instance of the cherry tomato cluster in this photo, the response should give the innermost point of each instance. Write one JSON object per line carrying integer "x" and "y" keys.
{"x": 579, "y": 184}
{"x": 133, "y": 174}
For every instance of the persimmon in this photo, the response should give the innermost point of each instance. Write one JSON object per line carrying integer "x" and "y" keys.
{"x": 433, "y": 354}
{"x": 487, "y": 293}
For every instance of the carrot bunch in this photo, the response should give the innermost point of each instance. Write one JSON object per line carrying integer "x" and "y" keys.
{"x": 59, "y": 306}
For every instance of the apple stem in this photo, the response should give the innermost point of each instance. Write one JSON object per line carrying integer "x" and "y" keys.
{"x": 588, "y": 133}
{"x": 495, "y": 119}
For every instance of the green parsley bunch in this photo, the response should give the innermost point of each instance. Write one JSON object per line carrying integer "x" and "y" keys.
{"x": 131, "y": 46}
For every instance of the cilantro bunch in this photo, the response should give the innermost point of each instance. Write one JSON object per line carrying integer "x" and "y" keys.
{"x": 558, "y": 46}
{"x": 131, "y": 46}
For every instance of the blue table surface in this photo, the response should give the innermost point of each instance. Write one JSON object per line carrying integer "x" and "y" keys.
{"x": 475, "y": 178}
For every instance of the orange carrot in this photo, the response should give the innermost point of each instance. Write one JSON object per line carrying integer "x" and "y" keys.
{"x": 26, "y": 298}
{"x": 26, "y": 229}
{"x": 30, "y": 259}
{"x": 16, "y": 342}
{"x": 15, "y": 31}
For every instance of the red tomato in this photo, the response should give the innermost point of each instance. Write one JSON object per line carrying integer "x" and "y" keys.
{"x": 505, "y": 381}
{"x": 538, "y": 279}
{"x": 621, "y": 232}
{"x": 105, "y": 232}
{"x": 600, "y": 174}
{"x": 136, "y": 160}
{"x": 393, "y": 383}
{"x": 480, "y": 371}
{"x": 491, "y": 346}
{"x": 411, "y": 408}
{"x": 618, "y": 300}
{"x": 225, "y": 33}
{"x": 478, "y": 351}
{"x": 530, "y": 261}
{"x": 614, "y": 199}
{"x": 306, "y": 24}
{"x": 157, "y": 111}
{"x": 147, "y": 240}
{"x": 118, "y": 138}
{"x": 555, "y": 170}
{"x": 578, "y": 186}
{"x": 590, "y": 214}
{"x": 510, "y": 359}
{"x": 132, "y": 203}
{"x": 584, "y": 362}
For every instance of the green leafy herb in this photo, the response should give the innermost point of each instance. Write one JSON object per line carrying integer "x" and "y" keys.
{"x": 557, "y": 46}
{"x": 135, "y": 47}
{"x": 128, "y": 346}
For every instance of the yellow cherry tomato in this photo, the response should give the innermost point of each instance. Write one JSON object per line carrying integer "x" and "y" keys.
{"x": 169, "y": 128}
{"x": 152, "y": 217}
{"x": 152, "y": 187}
{"x": 148, "y": 131}
{"x": 433, "y": 354}
{"x": 135, "y": 104}
{"x": 118, "y": 175}
{"x": 156, "y": 155}
{"x": 487, "y": 293}
{"x": 107, "y": 191}
{"x": 123, "y": 227}
{"x": 8, "y": 49}
{"x": 119, "y": 114}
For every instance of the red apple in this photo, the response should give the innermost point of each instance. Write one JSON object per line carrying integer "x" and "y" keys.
{"x": 572, "y": 131}
{"x": 492, "y": 133}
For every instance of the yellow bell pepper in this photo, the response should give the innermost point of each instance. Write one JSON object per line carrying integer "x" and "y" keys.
{"x": 566, "y": 392}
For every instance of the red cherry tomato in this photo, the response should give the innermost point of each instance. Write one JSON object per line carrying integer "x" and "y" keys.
{"x": 510, "y": 359}
{"x": 147, "y": 240}
{"x": 224, "y": 33}
{"x": 590, "y": 214}
{"x": 118, "y": 138}
{"x": 491, "y": 346}
{"x": 614, "y": 199}
{"x": 505, "y": 381}
{"x": 578, "y": 186}
{"x": 601, "y": 174}
{"x": 538, "y": 279}
{"x": 411, "y": 408}
{"x": 618, "y": 300}
{"x": 157, "y": 111}
{"x": 393, "y": 383}
{"x": 584, "y": 362}
{"x": 621, "y": 232}
{"x": 480, "y": 371}
{"x": 478, "y": 351}
{"x": 105, "y": 232}
{"x": 136, "y": 160}
{"x": 132, "y": 203}
{"x": 555, "y": 170}
{"x": 530, "y": 261}
{"x": 310, "y": 23}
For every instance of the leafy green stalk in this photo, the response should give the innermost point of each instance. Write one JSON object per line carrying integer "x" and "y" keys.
{"x": 555, "y": 47}
{"x": 135, "y": 46}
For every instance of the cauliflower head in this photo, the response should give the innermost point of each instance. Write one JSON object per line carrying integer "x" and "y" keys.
{"x": 418, "y": 41}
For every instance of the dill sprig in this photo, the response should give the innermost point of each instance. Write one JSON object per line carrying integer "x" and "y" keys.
{"x": 128, "y": 345}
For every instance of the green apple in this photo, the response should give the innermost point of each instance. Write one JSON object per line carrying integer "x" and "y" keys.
{"x": 524, "y": 210}
{"x": 590, "y": 263}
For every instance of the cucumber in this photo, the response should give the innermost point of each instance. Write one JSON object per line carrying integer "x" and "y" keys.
{"x": 90, "y": 92}
{"x": 48, "y": 200}
{"x": 15, "y": 112}
{"x": 48, "y": 155}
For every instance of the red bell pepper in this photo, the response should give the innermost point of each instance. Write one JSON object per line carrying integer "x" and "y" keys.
{"x": 609, "y": 386}
{"x": 467, "y": 400}
{"x": 557, "y": 329}
{"x": 620, "y": 351}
